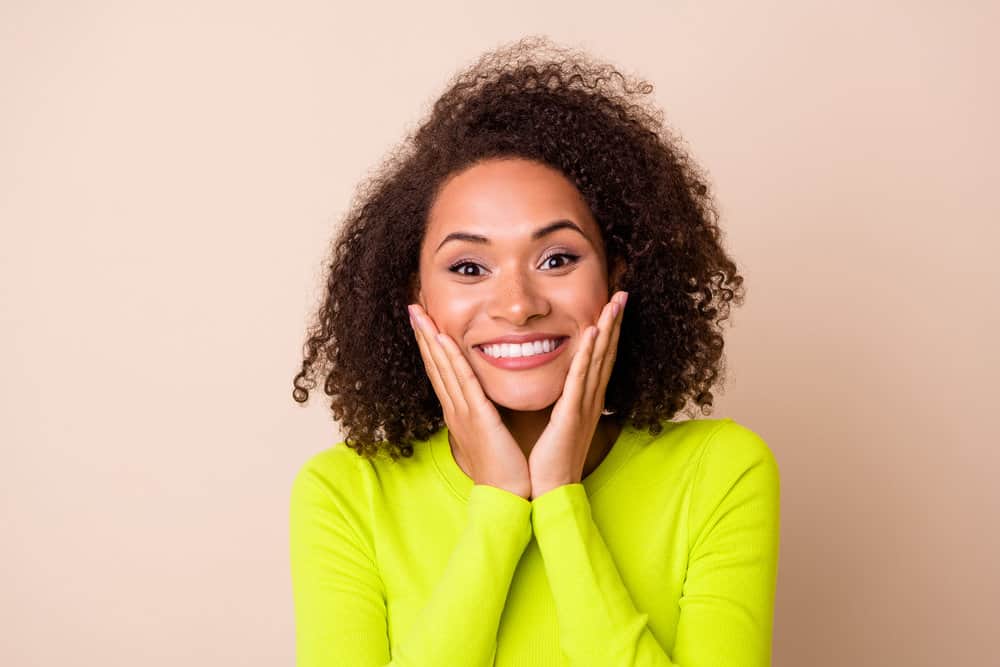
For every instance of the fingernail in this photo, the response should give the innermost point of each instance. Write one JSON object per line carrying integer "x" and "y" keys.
{"x": 624, "y": 298}
{"x": 614, "y": 309}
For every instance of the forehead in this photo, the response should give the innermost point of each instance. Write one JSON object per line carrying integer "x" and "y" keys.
{"x": 507, "y": 198}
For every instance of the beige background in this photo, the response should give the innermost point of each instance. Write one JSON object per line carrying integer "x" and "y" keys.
{"x": 170, "y": 176}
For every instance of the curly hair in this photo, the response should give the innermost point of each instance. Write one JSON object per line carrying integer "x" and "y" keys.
{"x": 533, "y": 100}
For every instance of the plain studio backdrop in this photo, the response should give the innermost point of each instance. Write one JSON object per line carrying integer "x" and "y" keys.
{"x": 171, "y": 174}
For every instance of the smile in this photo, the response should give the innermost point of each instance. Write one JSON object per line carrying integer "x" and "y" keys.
{"x": 519, "y": 357}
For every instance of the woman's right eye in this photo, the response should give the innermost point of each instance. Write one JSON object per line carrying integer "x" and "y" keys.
{"x": 456, "y": 268}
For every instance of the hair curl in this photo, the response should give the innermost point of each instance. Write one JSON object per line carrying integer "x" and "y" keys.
{"x": 534, "y": 100}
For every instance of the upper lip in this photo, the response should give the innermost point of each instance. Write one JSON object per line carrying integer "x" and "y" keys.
{"x": 522, "y": 338}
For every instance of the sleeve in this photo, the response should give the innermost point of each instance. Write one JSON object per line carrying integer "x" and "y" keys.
{"x": 339, "y": 597}
{"x": 726, "y": 608}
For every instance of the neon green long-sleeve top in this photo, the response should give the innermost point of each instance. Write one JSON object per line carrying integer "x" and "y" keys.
{"x": 665, "y": 554}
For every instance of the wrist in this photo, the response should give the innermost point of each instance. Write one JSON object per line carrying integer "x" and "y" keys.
{"x": 544, "y": 486}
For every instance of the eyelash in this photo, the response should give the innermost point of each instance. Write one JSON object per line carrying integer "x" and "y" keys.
{"x": 572, "y": 260}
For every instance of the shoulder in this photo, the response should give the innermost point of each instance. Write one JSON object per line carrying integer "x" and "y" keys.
{"x": 333, "y": 463}
{"x": 333, "y": 472}
{"x": 733, "y": 440}
{"x": 716, "y": 453}
{"x": 717, "y": 438}
{"x": 328, "y": 512}
{"x": 705, "y": 452}
{"x": 733, "y": 454}
{"x": 724, "y": 437}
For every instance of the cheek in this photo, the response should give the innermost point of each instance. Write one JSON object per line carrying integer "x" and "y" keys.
{"x": 591, "y": 295}
{"x": 591, "y": 312}
{"x": 450, "y": 317}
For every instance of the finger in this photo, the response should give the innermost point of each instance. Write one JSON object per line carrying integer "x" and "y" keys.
{"x": 441, "y": 360}
{"x": 612, "y": 351}
{"x": 471, "y": 389}
{"x": 605, "y": 325}
{"x": 432, "y": 370}
{"x": 576, "y": 379}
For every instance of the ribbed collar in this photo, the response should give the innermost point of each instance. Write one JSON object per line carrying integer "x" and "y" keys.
{"x": 624, "y": 446}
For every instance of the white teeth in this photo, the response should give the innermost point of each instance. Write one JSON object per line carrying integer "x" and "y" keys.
{"x": 512, "y": 350}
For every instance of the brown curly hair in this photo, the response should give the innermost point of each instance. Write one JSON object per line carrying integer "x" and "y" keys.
{"x": 533, "y": 100}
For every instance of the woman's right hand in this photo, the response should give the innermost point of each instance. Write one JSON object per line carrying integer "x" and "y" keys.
{"x": 485, "y": 445}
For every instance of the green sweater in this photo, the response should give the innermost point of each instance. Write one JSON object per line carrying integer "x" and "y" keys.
{"x": 666, "y": 554}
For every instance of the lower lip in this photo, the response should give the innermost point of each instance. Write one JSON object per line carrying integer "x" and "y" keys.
{"x": 522, "y": 363}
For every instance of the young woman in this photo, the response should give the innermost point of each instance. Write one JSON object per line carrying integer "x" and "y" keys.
{"x": 517, "y": 306}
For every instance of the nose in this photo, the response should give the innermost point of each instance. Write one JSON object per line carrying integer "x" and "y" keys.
{"x": 517, "y": 298}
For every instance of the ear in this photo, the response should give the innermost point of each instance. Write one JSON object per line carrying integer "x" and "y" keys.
{"x": 615, "y": 273}
{"x": 413, "y": 290}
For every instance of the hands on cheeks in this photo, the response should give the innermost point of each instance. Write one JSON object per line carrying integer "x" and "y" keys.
{"x": 560, "y": 454}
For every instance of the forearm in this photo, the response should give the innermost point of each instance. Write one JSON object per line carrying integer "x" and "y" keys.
{"x": 458, "y": 625}
{"x": 598, "y": 621}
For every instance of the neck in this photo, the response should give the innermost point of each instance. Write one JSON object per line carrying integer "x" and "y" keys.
{"x": 527, "y": 427}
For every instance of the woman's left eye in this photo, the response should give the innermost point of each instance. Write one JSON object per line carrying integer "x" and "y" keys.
{"x": 572, "y": 258}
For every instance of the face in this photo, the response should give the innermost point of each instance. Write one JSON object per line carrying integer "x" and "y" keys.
{"x": 511, "y": 249}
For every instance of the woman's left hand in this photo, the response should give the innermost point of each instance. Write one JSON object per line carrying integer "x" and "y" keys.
{"x": 560, "y": 454}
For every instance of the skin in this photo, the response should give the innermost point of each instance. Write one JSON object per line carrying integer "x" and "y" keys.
{"x": 472, "y": 292}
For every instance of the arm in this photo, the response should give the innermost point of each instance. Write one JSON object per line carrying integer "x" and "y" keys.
{"x": 340, "y": 610}
{"x": 726, "y": 610}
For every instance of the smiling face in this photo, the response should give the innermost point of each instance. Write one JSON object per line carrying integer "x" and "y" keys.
{"x": 511, "y": 248}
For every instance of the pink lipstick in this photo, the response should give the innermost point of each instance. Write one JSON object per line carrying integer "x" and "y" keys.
{"x": 524, "y": 363}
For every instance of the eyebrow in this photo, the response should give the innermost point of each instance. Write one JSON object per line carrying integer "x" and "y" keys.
{"x": 537, "y": 234}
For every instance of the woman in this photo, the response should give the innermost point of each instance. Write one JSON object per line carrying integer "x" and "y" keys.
{"x": 511, "y": 489}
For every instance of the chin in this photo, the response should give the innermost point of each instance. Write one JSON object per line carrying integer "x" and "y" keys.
{"x": 524, "y": 401}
